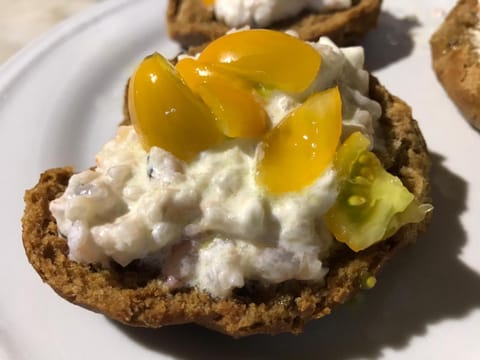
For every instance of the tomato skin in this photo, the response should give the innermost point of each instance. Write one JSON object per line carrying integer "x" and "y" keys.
{"x": 372, "y": 204}
{"x": 299, "y": 149}
{"x": 218, "y": 96}
{"x": 166, "y": 113}
{"x": 273, "y": 59}
{"x": 238, "y": 110}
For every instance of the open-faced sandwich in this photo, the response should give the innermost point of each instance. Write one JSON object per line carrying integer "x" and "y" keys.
{"x": 195, "y": 22}
{"x": 256, "y": 188}
{"x": 456, "y": 58}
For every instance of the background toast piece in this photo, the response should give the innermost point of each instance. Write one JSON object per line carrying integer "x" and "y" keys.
{"x": 192, "y": 24}
{"x": 456, "y": 61}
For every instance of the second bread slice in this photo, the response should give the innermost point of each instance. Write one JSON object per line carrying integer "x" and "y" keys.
{"x": 192, "y": 24}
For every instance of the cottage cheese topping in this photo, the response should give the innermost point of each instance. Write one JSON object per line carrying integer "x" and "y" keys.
{"x": 237, "y": 13}
{"x": 207, "y": 223}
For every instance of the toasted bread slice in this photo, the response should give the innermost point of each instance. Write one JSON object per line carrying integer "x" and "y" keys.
{"x": 456, "y": 60}
{"x": 192, "y": 24}
{"x": 135, "y": 296}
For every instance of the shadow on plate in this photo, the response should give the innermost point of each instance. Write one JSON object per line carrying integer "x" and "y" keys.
{"x": 424, "y": 285}
{"x": 390, "y": 41}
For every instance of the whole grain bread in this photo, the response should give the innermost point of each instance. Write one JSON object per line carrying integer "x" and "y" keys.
{"x": 193, "y": 24}
{"x": 134, "y": 295}
{"x": 456, "y": 60}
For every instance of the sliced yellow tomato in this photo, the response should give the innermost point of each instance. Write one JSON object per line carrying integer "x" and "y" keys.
{"x": 297, "y": 151}
{"x": 372, "y": 204}
{"x": 166, "y": 113}
{"x": 237, "y": 109}
{"x": 271, "y": 58}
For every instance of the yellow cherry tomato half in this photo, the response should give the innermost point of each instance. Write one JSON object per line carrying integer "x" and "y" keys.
{"x": 372, "y": 204}
{"x": 271, "y": 58}
{"x": 298, "y": 150}
{"x": 237, "y": 109}
{"x": 166, "y": 113}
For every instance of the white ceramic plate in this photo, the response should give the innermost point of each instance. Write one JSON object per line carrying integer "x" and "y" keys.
{"x": 61, "y": 98}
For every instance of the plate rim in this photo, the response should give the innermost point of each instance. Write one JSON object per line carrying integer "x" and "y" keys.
{"x": 38, "y": 48}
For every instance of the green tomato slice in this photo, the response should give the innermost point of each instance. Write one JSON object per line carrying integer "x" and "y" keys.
{"x": 372, "y": 204}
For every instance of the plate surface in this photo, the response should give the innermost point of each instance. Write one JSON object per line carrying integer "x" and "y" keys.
{"x": 61, "y": 98}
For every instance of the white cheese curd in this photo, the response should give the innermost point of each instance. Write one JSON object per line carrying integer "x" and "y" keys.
{"x": 342, "y": 67}
{"x": 237, "y": 13}
{"x": 207, "y": 223}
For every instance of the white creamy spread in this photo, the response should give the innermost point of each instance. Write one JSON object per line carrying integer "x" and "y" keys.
{"x": 237, "y": 13}
{"x": 207, "y": 223}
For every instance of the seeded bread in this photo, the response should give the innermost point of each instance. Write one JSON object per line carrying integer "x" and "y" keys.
{"x": 134, "y": 295}
{"x": 192, "y": 24}
{"x": 456, "y": 61}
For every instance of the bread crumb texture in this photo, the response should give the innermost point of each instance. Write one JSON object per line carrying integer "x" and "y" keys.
{"x": 456, "y": 61}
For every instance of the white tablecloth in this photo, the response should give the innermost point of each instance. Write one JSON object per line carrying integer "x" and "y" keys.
{"x": 23, "y": 20}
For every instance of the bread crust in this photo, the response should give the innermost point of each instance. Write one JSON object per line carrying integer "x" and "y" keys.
{"x": 456, "y": 61}
{"x": 192, "y": 24}
{"x": 135, "y": 296}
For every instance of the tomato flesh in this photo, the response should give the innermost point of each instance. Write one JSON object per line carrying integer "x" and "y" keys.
{"x": 372, "y": 204}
